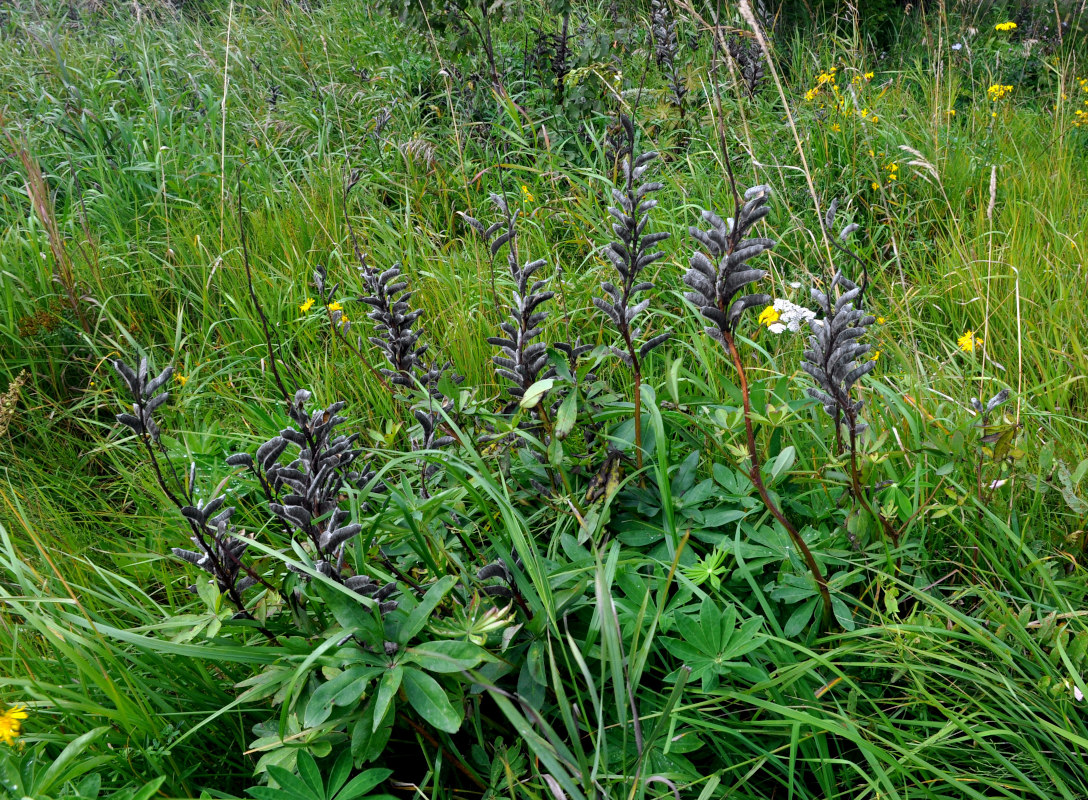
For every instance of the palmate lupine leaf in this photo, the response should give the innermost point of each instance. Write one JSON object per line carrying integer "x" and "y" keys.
{"x": 631, "y": 253}
{"x": 719, "y": 272}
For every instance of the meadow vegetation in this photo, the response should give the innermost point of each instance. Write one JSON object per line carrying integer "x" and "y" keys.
{"x": 565, "y": 400}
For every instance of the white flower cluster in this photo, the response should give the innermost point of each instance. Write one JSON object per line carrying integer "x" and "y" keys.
{"x": 790, "y": 316}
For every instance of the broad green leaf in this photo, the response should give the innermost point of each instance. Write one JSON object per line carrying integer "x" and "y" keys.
{"x": 421, "y": 613}
{"x": 428, "y": 698}
{"x": 345, "y": 688}
{"x": 308, "y": 771}
{"x": 535, "y": 393}
{"x": 783, "y": 462}
{"x": 362, "y": 783}
{"x": 292, "y": 785}
{"x": 800, "y": 618}
{"x": 566, "y": 416}
{"x": 351, "y": 614}
{"x": 448, "y": 656}
{"x": 387, "y": 689}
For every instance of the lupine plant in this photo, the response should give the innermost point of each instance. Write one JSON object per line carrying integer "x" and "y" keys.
{"x": 630, "y": 255}
{"x": 666, "y": 50}
{"x": 718, "y": 275}
{"x": 520, "y": 360}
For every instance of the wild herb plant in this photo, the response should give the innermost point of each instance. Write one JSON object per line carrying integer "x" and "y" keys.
{"x": 666, "y": 50}
{"x": 716, "y": 278}
{"x": 520, "y": 360}
{"x": 630, "y": 255}
{"x": 748, "y": 57}
{"x": 835, "y": 360}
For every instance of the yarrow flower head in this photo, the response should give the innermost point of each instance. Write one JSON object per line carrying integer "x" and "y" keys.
{"x": 968, "y": 342}
{"x": 1004, "y": 27}
{"x": 785, "y": 316}
{"x": 11, "y": 724}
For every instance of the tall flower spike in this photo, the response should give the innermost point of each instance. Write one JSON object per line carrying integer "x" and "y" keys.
{"x": 520, "y": 360}
{"x": 720, "y": 273}
{"x": 663, "y": 28}
{"x": 632, "y": 254}
{"x": 141, "y": 420}
{"x": 834, "y": 347}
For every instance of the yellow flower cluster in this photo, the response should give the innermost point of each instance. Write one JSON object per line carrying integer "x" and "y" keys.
{"x": 1004, "y": 27}
{"x": 527, "y": 194}
{"x": 769, "y": 315}
{"x": 823, "y": 79}
{"x": 893, "y": 171}
{"x": 11, "y": 724}
{"x": 307, "y": 305}
{"x": 968, "y": 342}
{"x": 999, "y": 92}
{"x": 1080, "y": 116}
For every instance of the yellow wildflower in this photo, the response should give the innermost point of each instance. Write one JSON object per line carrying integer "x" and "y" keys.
{"x": 876, "y": 355}
{"x": 999, "y": 92}
{"x": 836, "y": 127}
{"x": 951, "y": 112}
{"x": 769, "y": 316}
{"x": 334, "y": 307}
{"x": 11, "y": 723}
{"x": 1005, "y": 26}
{"x": 876, "y": 186}
{"x": 528, "y": 195}
{"x": 869, "y": 75}
{"x": 880, "y": 320}
{"x": 306, "y": 306}
{"x": 968, "y": 342}
{"x": 181, "y": 379}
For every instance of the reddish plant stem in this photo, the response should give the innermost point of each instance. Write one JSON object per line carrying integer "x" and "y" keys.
{"x": 756, "y": 475}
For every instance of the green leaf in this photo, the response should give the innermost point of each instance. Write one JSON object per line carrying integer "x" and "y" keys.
{"x": 308, "y": 771}
{"x": 842, "y": 613}
{"x": 290, "y": 784}
{"x": 566, "y": 416}
{"x": 421, "y": 613}
{"x": 344, "y": 689}
{"x": 387, "y": 689}
{"x": 800, "y": 618}
{"x": 448, "y": 656}
{"x": 783, "y": 463}
{"x": 363, "y": 783}
{"x": 341, "y": 771}
{"x": 368, "y": 739}
{"x": 535, "y": 393}
{"x": 430, "y": 701}
{"x": 351, "y": 614}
